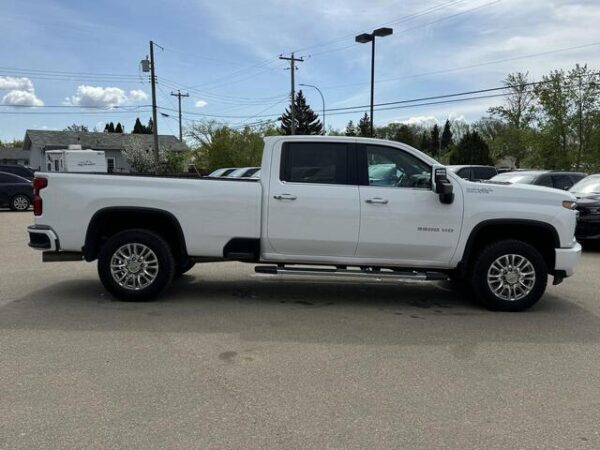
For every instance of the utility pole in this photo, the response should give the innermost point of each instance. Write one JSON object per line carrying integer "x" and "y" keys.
{"x": 149, "y": 66}
{"x": 292, "y": 59}
{"x": 179, "y": 95}
{"x": 154, "y": 115}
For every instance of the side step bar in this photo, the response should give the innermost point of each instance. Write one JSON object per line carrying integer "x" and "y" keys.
{"x": 384, "y": 274}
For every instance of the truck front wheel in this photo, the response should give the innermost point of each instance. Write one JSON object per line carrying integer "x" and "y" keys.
{"x": 136, "y": 265}
{"x": 509, "y": 275}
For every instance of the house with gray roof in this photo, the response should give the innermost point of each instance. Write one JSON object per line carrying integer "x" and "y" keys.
{"x": 38, "y": 142}
{"x": 13, "y": 155}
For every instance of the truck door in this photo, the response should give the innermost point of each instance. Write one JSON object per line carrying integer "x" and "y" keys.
{"x": 313, "y": 204}
{"x": 402, "y": 219}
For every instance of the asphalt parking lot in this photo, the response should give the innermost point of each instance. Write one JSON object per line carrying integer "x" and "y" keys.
{"x": 229, "y": 359}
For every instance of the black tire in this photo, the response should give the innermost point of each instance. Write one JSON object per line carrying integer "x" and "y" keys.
{"x": 523, "y": 300}
{"x": 180, "y": 269}
{"x": 163, "y": 272}
{"x": 20, "y": 202}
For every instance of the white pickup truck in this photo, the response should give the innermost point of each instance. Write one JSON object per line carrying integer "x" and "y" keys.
{"x": 335, "y": 206}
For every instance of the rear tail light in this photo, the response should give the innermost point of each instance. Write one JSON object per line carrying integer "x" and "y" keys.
{"x": 39, "y": 183}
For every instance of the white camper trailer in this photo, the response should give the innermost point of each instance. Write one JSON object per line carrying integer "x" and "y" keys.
{"x": 74, "y": 159}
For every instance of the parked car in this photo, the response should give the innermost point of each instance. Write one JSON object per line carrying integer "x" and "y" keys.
{"x": 22, "y": 171}
{"x": 474, "y": 173}
{"x": 15, "y": 192}
{"x": 548, "y": 178}
{"x": 587, "y": 192}
{"x": 316, "y": 207}
{"x": 221, "y": 172}
{"x": 244, "y": 172}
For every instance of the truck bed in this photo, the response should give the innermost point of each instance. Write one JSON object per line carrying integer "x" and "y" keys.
{"x": 210, "y": 210}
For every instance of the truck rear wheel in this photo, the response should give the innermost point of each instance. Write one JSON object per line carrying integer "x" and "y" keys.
{"x": 509, "y": 275}
{"x": 136, "y": 265}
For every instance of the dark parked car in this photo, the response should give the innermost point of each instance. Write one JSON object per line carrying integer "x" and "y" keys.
{"x": 474, "y": 173}
{"x": 587, "y": 192}
{"x": 548, "y": 178}
{"x": 22, "y": 171}
{"x": 15, "y": 192}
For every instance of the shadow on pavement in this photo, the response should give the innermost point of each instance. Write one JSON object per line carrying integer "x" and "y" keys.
{"x": 266, "y": 309}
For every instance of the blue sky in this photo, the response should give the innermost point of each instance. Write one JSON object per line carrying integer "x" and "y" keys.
{"x": 62, "y": 60}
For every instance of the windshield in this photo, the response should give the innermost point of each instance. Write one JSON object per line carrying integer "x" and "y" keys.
{"x": 589, "y": 185}
{"x": 516, "y": 177}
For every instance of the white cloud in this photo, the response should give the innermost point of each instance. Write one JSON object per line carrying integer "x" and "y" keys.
{"x": 20, "y": 92}
{"x": 14, "y": 83}
{"x": 21, "y": 98}
{"x": 104, "y": 96}
{"x": 421, "y": 120}
{"x": 137, "y": 95}
{"x": 201, "y": 104}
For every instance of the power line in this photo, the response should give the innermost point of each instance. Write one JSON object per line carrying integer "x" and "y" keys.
{"x": 413, "y": 28}
{"x": 471, "y": 66}
{"x": 401, "y": 19}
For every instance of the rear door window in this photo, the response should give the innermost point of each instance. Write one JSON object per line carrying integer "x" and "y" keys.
{"x": 315, "y": 162}
{"x": 484, "y": 173}
{"x": 562, "y": 181}
{"x": 465, "y": 172}
{"x": 545, "y": 180}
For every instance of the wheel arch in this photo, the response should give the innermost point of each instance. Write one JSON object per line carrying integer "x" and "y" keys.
{"x": 113, "y": 219}
{"x": 541, "y": 235}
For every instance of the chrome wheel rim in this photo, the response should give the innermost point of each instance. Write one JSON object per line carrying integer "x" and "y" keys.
{"x": 134, "y": 266}
{"x": 511, "y": 277}
{"x": 20, "y": 203}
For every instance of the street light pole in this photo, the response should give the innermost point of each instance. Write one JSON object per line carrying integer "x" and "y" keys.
{"x": 363, "y": 39}
{"x": 322, "y": 99}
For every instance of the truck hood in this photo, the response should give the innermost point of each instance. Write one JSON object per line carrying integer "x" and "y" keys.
{"x": 521, "y": 192}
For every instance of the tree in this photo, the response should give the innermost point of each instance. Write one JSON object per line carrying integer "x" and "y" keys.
{"x": 425, "y": 141}
{"x": 15, "y": 143}
{"x": 364, "y": 126}
{"x": 471, "y": 149}
{"x": 138, "y": 128}
{"x": 434, "y": 141}
{"x": 446, "y": 136}
{"x": 306, "y": 120}
{"x": 77, "y": 128}
{"x": 119, "y": 128}
{"x": 518, "y": 110}
{"x": 140, "y": 155}
{"x": 150, "y": 126}
{"x": 217, "y": 145}
{"x": 350, "y": 129}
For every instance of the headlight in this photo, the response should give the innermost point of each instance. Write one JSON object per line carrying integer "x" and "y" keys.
{"x": 569, "y": 204}
{"x": 595, "y": 210}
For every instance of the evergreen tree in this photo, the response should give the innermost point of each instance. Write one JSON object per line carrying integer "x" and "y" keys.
{"x": 434, "y": 141}
{"x": 150, "y": 126}
{"x": 471, "y": 149}
{"x": 138, "y": 128}
{"x": 111, "y": 127}
{"x": 306, "y": 120}
{"x": 425, "y": 144}
{"x": 364, "y": 126}
{"x": 350, "y": 129}
{"x": 119, "y": 128}
{"x": 106, "y": 128}
{"x": 446, "y": 136}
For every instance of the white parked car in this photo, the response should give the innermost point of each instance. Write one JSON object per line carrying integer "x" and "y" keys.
{"x": 337, "y": 206}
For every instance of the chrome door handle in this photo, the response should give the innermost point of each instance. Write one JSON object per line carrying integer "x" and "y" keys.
{"x": 284, "y": 197}
{"x": 377, "y": 201}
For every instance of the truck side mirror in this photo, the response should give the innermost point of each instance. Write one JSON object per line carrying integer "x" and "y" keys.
{"x": 442, "y": 185}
